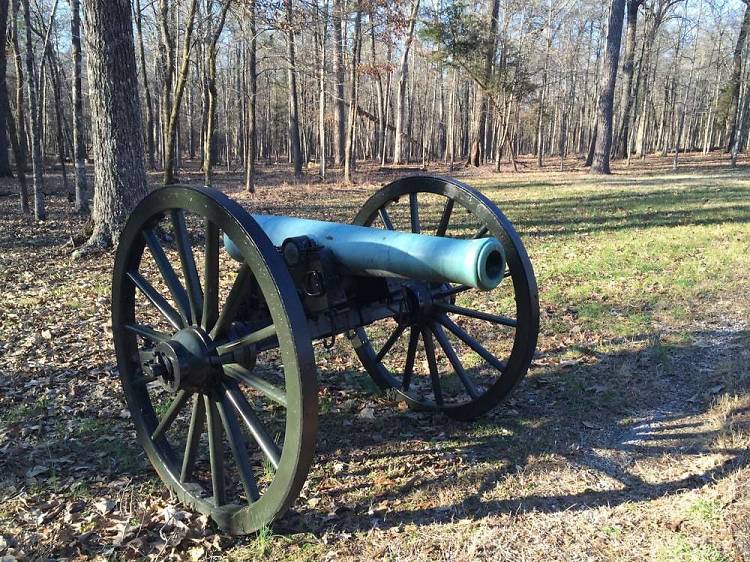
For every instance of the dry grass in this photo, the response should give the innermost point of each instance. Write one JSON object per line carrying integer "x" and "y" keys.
{"x": 628, "y": 441}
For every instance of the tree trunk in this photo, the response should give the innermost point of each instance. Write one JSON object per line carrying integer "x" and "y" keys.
{"x": 627, "y": 68}
{"x": 79, "y": 143}
{"x": 5, "y": 170}
{"x": 339, "y": 112}
{"x": 119, "y": 171}
{"x": 479, "y": 119}
{"x": 735, "y": 80}
{"x": 150, "y": 148}
{"x": 16, "y": 127}
{"x": 210, "y": 53}
{"x": 398, "y": 152}
{"x": 172, "y": 110}
{"x": 349, "y": 147}
{"x": 600, "y": 165}
{"x": 321, "y": 34}
{"x": 294, "y": 139}
{"x": 252, "y": 72}
{"x": 37, "y": 153}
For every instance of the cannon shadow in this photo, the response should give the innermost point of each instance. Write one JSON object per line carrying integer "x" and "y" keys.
{"x": 663, "y": 407}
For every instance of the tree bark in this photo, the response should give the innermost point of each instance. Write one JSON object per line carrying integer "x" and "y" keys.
{"x": 210, "y": 53}
{"x": 37, "y": 152}
{"x": 16, "y": 127}
{"x": 79, "y": 143}
{"x": 398, "y": 155}
{"x": 294, "y": 139}
{"x": 252, "y": 72}
{"x": 339, "y": 111}
{"x": 321, "y": 34}
{"x": 171, "y": 110}
{"x": 349, "y": 148}
{"x": 150, "y": 145}
{"x": 600, "y": 165}
{"x": 628, "y": 70}
{"x": 735, "y": 79}
{"x": 5, "y": 170}
{"x": 479, "y": 120}
{"x": 119, "y": 171}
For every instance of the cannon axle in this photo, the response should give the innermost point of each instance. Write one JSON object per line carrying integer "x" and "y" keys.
{"x": 431, "y": 285}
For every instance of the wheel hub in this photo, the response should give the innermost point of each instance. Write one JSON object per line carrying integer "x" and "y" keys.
{"x": 185, "y": 361}
{"x": 419, "y": 299}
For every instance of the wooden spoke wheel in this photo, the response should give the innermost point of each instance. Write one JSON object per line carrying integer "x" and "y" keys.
{"x": 214, "y": 357}
{"x": 451, "y": 349}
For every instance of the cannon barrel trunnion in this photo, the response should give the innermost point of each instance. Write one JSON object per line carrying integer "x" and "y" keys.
{"x": 215, "y": 311}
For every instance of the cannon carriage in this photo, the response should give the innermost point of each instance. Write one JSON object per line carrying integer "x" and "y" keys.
{"x": 215, "y": 311}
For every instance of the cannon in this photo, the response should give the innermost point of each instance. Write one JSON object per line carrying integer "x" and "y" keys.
{"x": 215, "y": 312}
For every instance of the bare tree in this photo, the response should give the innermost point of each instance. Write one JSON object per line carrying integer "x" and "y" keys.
{"x": 79, "y": 143}
{"x": 5, "y": 170}
{"x": 402, "y": 80}
{"x": 628, "y": 70}
{"x": 150, "y": 141}
{"x": 735, "y": 79}
{"x": 350, "y": 140}
{"x": 213, "y": 32}
{"x": 294, "y": 140}
{"x": 16, "y": 126}
{"x": 339, "y": 111}
{"x": 171, "y": 103}
{"x": 37, "y": 152}
{"x": 607, "y": 95}
{"x": 252, "y": 71}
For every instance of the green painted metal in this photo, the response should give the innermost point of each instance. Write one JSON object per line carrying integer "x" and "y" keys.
{"x": 387, "y": 253}
{"x": 215, "y": 404}
{"x": 187, "y": 369}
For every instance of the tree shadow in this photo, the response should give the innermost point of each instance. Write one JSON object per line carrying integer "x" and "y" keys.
{"x": 658, "y": 410}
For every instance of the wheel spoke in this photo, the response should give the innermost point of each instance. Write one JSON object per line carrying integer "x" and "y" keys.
{"x": 414, "y": 213}
{"x": 255, "y": 337}
{"x": 147, "y": 333}
{"x": 481, "y": 233}
{"x": 429, "y": 348}
{"x": 494, "y": 318}
{"x": 472, "y": 343}
{"x": 254, "y": 424}
{"x": 189, "y": 271}
{"x": 452, "y": 291}
{"x": 450, "y": 353}
{"x": 197, "y": 419}
{"x": 168, "y": 274}
{"x": 161, "y": 304}
{"x": 239, "y": 448}
{"x": 411, "y": 355}
{"x": 211, "y": 281}
{"x": 249, "y": 378}
{"x": 391, "y": 341}
{"x": 171, "y": 414}
{"x": 445, "y": 219}
{"x": 386, "y": 218}
{"x": 215, "y": 451}
{"x": 239, "y": 291}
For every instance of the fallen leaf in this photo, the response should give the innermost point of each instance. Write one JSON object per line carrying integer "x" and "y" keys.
{"x": 36, "y": 471}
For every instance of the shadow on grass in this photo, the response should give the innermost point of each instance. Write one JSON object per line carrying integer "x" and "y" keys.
{"x": 608, "y": 419}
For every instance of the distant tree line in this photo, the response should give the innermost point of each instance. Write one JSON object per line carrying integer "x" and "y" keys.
{"x": 322, "y": 84}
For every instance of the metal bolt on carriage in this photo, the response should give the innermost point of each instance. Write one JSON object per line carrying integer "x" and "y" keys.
{"x": 215, "y": 311}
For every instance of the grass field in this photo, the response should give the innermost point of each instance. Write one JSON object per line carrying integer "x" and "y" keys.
{"x": 628, "y": 440}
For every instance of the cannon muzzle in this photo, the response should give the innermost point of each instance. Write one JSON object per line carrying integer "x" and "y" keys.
{"x": 378, "y": 252}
